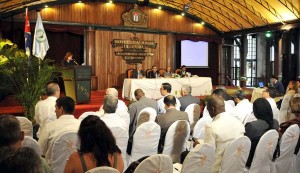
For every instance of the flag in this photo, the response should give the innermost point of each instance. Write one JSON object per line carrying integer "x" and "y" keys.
{"x": 27, "y": 34}
{"x": 40, "y": 42}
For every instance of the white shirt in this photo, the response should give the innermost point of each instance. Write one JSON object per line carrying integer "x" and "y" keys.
{"x": 161, "y": 105}
{"x": 53, "y": 129}
{"x": 228, "y": 109}
{"x": 121, "y": 107}
{"x": 45, "y": 112}
{"x": 220, "y": 133}
{"x": 243, "y": 111}
{"x": 275, "y": 110}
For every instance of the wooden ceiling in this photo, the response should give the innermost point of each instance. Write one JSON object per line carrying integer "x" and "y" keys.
{"x": 222, "y": 15}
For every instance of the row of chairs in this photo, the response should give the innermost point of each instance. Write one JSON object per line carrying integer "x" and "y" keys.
{"x": 160, "y": 71}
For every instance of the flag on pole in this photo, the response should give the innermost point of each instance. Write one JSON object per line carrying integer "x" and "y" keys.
{"x": 27, "y": 34}
{"x": 40, "y": 42}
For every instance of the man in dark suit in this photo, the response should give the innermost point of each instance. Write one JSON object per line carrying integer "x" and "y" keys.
{"x": 183, "y": 72}
{"x": 167, "y": 119}
{"x": 187, "y": 98}
{"x": 277, "y": 85}
{"x": 153, "y": 73}
{"x": 138, "y": 73}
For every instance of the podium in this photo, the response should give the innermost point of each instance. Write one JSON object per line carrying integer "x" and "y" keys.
{"x": 77, "y": 81}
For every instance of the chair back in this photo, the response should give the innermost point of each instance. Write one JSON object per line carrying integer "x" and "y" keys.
{"x": 264, "y": 152}
{"x": 200, "y": 159}
{"x": 85, "y": 114}
{"x": 236, "y": 155}
{"x": 129, "y": 73}
{"x": 32, "y": 143}
{"x": 148, "y": 72}
{"x": 103, "y": 169}
{"x": 121, "y": 136}
{"x": 176, "y": 139}
{"x": 288, "y": 144}
{"x": 26, "y": 126}
{"x": 295, "y": 164}
{"x": 193, "y": 111}
{"x": 124, "y": 115}
{"x": 63, "y": 146}
{"x": 199, "y": 128}
{"x": 145, "y": 141}
{"x": 145, "y": 115}
{"x": 157, "y": 163}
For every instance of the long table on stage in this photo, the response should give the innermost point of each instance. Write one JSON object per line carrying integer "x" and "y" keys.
{"x": 200, "y": 86}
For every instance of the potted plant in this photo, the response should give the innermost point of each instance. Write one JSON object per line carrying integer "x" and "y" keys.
{"x": 24, "y": 77}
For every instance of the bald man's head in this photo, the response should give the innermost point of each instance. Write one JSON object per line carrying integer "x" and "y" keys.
{"x": 138, "y": 93}
{"x": 215, "y": 105}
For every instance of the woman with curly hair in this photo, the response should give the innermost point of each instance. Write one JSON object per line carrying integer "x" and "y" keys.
{"x": 97, "y": 148}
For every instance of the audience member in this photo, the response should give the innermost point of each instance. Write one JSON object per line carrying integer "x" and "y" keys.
{"x": 23, "y": 160}
{"x": 227, "y": 97}
{"x": 97, "y": 148}
{"x": 12, "y": 139}
{"x": 295, "y": 109}
{"x": 165, "y": 90}
{"x": 165, "y": 120}
{"x": 222, "y": 131}
{"x": 254, "y": 130}
{"x": 110, "y": 117}
{"x": 285, "y": 111}
{"x": 183, "y": 72}
{"x": 243, "y": 111}
{"x": 269, "y": 94}
{"x": 45, "y": 109}
{"x": 121, "y": 104}
{"x": 65, "y": 121}
{"x": 187, "y": 97}
{"x": 136, "y": 107}
{"x": 153, "y": 73}
{"x": 168, "y": 73}
{"x": 277, "y": 85}
{"x": 138, "y": 73}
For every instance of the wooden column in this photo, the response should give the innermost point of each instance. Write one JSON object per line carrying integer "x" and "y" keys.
{"x": 90, "y": 54}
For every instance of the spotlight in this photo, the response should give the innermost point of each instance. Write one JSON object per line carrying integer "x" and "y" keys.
{"x": 202, "y": 23}
{"x": 159, "y": 7}
{"x": 46, "y": 6}
{"x": 110, "y": 1}
{"x": 182, "y": 14}
{"x": 268, "y": 34}
{"x": 79, "y": 1}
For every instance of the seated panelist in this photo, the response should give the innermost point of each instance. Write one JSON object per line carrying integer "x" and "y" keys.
{"x": 168, "y": 73}
{"x": 138, "y": 73}
{"x": 153, "y": 73}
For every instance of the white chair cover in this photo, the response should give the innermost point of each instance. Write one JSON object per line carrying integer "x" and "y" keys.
{"x": 176, "y": 139}
{"x": 151, "y": 111}
{"x": 85, "y": 114}
{"x": 199, "y": 129}
{"x": 26, "y": 126}
{"x": 295, "y": 166}
{"x": 32, "y": 143}
{"x": 124, "y": 115}
{"x": 103, "y": 169}
{"x": 288, "y": 143}
{"x": 236, "y": 155}
{"x": 158, "y": 163}
{"x": 63, "y": 146}
{"x": 200, "y": 159}
{"x": 193, "y": 111}
{"x": 264, "y": 153}
{"x": 121, "y": 136}
{"x": 145, "y": 141}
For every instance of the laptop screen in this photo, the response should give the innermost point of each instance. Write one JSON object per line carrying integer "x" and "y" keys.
{"x": 261, "y": 84}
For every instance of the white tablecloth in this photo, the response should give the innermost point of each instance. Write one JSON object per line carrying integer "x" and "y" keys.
{"x": 151, "y": 87}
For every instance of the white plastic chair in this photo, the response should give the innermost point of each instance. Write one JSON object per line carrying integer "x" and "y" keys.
{"x": 151, "y": 111}
{"x": 32, "y": 143}
{"x": 176, "y": 139}
{"x": 26, "y": 126}
{"x": 63, "y": 146}
{"x": 145, "y": 141}
{"x": 121, "y": 136}
{"x": 193, "y": 111}
{"x": 85, "y": 114}
{"x": 103, "y": 169}
{"x": 158, "y": 163}
{"x": 264, "y": 153}
{"x": 200, "y": 159}
{"x": 236, "y": 155}
{"x": 199, "y": 128}
{"x": 288, "y": 143}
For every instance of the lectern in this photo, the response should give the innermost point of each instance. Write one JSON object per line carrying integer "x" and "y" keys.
{"x": 77, "y": 81}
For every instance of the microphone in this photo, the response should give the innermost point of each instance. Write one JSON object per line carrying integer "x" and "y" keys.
{"x": 75, "y": 61}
